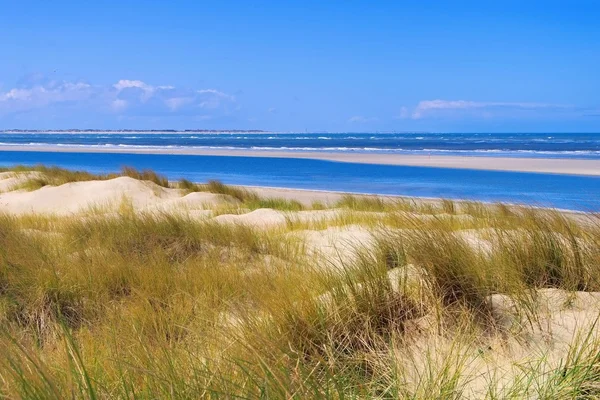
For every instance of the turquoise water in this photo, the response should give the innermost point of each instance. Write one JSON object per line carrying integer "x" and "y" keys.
{"x": 559, "y": 191}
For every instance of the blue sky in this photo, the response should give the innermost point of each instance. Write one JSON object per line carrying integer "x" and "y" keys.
{"x": 306, "y": 65}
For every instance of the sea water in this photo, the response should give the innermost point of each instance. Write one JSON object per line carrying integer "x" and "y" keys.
{"x": 548, "y": 190}
{"x": 549, "y": 145}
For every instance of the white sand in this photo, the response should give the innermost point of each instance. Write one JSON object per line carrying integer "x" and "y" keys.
{"x": 336, "y": 247}
{"x": 263, "y": 217}
{"x": 305, "y": 197}
{"x": 197, "y": 201}
{"x": 544, "y": 165}
{"x": 79, "y": 196}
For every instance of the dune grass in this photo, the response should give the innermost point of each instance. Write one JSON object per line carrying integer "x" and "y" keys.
{"x": 247, "y": 198}
{"x": 41, "y": 175}
{"x": 141, "y": 305}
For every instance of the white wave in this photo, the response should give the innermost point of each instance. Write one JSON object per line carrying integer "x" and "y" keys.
{"x": 25, "y": 144}
{"x": 505, "y": 152}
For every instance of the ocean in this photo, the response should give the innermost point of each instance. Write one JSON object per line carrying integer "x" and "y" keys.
{"x": 548, "y": 145}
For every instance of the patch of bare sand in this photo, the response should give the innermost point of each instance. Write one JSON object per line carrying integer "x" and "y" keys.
{"x": 262, "y": 218}
{"x": 565, "y": 320}
{"x": 473, "y": 237}
{"x": 266, "y": 217}
{"x": 197, "y": 201}
{"x": 336, "y": 247}
{"x": 305, "y": 197}
{"x": 544, "y": 165}
{"x": 340, "y": 246}
{"x": 497, "y": 358}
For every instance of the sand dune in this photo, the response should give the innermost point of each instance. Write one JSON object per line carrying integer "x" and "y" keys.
{"x": 332, "y": 240}
{"x": 79, "y": 196}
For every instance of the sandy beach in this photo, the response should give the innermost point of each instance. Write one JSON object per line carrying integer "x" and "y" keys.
{"x": 540, "y": 165}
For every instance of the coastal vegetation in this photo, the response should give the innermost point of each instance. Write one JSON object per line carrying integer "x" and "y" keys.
{"x": 40, "y": 175}
{"x": 363, "y": 297}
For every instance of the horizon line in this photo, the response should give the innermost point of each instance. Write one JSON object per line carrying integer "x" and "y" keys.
{"x": 166, "y": 130}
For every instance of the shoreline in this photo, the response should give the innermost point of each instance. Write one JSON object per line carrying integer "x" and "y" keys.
{"x": 535, "y": 165}
{"x": 307, "y": 196}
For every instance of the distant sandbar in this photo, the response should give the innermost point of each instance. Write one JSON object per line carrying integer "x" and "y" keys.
{"x": 540, "y": 165}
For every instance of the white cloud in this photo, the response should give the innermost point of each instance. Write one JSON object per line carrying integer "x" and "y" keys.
{"x": 126, "y": 84}
{"x": 75, "y": 86}
{"x": 212, "y": 98}
{"x": 359, "y": 119}
{"x": 175, "y": 103}
{"x": 216, "y": 93}
{"x": 430, "y": 107}
{"x": 23, "y": 99}
{"x": 16, "y": 94}
{"x": 147, "y": 91}
{"x": 118, "y": 105}
{"x": 404, "y": 113}
{"x": 126, "y": 98}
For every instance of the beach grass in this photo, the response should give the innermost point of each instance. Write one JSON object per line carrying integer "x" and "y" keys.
{"x": 133, "y": 304}
{"x": 41, "y": 175}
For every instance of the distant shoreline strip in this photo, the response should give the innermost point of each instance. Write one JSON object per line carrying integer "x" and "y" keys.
{"x": 538, "y": 165}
